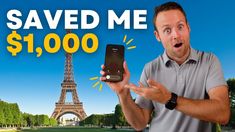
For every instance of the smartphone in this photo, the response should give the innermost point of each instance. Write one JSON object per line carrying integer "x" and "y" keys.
{"x": 114, "y": 58}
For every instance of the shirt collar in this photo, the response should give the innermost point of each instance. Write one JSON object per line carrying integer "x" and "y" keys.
{"x": 193, "y": 56}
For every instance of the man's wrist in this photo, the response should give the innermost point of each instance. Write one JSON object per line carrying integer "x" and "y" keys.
{"x": 123, "y": 93}
{"x": 168, "y": 97}
{"x": 172, "y": 103}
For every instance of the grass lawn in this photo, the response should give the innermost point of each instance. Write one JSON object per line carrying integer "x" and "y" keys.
{"x": 8, "y": 131}
{"x": 72, "y": 129}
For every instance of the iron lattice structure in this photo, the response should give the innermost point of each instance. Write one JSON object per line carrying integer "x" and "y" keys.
{"x": 69, "y": 85}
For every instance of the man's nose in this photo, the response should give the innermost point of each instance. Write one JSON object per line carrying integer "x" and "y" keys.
{"x": 175, "y": 34}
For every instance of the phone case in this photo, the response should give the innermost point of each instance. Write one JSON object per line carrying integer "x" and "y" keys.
{"x": 114, "y": 58}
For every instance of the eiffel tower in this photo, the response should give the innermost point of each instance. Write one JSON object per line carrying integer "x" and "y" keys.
{"x": 68, "y": 85}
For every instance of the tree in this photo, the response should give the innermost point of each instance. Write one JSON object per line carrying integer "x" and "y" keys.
{"x": 41, "y": 120}
{"x": 119, "y": 117}
{"x": 96, "y": 120}
{"x": 45, "y": 120}
{"x": 93, "y": 120}
{"x": 23, "y": 120}
{"x": 37, "y": 121}
{"x": 231, "y": 85}
{"x": 29, "y": 119}
{"x": 15, "y": 114}
{"x": 2, "y": 117}
{"x": 8, "y": 114}
{"x": 108, "y": 119}
{"x": 232, "y": 118}
{"x": 53, "y": 122}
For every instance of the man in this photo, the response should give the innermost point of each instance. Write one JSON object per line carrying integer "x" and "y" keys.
{"x": 184, "y": 88}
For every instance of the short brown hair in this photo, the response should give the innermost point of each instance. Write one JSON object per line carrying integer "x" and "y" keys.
{"x": 166, "y": 7}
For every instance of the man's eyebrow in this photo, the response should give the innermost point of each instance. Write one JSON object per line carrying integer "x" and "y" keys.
{"x": 166, "y": 25}
{"x": 182, "y": 21}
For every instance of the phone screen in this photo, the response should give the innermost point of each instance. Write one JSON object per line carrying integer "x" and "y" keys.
{"x": 114, "y": 58}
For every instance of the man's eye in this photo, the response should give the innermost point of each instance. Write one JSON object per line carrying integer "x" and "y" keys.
{"x": 181, "y": 26}
{"x": 167, "y": 30}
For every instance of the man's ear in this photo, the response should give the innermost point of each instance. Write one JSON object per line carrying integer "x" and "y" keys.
{"x": 156, "y": 34}
{"x": 189, "y": 29}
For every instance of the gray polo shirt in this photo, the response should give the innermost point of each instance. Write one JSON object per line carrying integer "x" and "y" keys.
{"x": 192, "y": 79}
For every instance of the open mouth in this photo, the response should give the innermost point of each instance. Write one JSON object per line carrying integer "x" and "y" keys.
{"x": 178, "y": 45}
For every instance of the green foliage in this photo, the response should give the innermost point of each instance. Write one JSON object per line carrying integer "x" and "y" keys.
{"x": 29, "y": 119}
{"x": 38, "y": 120}
{"x": 231, "y": 85}
{"x": 2, "y": 117}
{"x": 218, "y": 128}
{"x": 46, "y": 121}
{"x": 232, "y": 119}
{"x": 15, "y": 111}
{"x": 7, "y": 113}
{"x": 41, "y": 120}
{"x": 119, "y": 116}
{"x": 98, "y": 120}
{"x": 107, "y": 119}
{"x": 92, "y": 120}
{"x": 74, "y": 129}
{"x": 52, "y": 122}
{"x": 10, "y": 115}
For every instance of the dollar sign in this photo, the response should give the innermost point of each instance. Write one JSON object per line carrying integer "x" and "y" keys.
{"x": 12, "y": 39}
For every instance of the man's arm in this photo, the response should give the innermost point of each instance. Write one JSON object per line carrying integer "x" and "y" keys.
{"x": 215, "y": 109}
{"x": 137, "y": 117}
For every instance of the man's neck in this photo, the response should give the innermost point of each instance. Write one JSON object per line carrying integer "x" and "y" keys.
{"x": 180, "y": 60}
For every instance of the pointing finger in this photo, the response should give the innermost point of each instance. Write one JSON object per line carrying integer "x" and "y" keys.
{"x": 141, "y": 84}
{"x": 134, "y": 88}
{"x": 152, "y": 83}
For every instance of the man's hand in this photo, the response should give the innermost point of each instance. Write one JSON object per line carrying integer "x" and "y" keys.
{"x": 118, "y": 87}
{"x": 156, "y": 91}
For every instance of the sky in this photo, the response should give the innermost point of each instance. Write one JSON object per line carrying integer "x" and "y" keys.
{"x": 35, "y": 82}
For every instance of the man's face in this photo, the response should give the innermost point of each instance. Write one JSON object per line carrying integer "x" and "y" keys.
{"x": 173, "y": 32}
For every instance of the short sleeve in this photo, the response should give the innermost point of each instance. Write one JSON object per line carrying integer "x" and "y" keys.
{"x": 141, "y": 101}
{"x": 215, "y": 75}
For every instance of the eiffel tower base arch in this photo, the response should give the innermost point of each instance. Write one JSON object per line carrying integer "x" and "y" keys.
{"x": 62, "y": 109}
